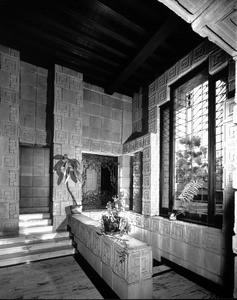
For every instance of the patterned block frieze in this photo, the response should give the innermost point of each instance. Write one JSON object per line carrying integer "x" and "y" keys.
{"x": 75, "y": 83}
{"x": 152, "y": 87}
{"x": 96, "y": 243}
{"x": 13, "y": 178}
{"x": 126, "y": 148}
{"x": 14, "y": 113}
{"x": 107, "y": 248}
{"x": 147, "y": 168}
{"x": 8, "y": 194}
{"x": 8, "y": 129}
{"x": 60, "y": 136}
{"x": 218, "y": 60}
{"x": 4, "y": 211}
{"x": 147, "y": 223}
{"x": 146, "y": 195}
{"x": 146, "y": 140}
{"x": 138, "y": 220}
{"x": 212, "y": 240}
{"x": 165, "y": 227}
{"x": 58, "y": 93}
{"x": 62, "y": 80}
{"x": 121, "y": 267}
{"x": 131, "y": 147}
{"x": 139, "y": 143}
{"x": 14, "y": 211}
{"x": 8, "y": 96}
{"x": 178, "y": 232}
{"x": 10, "y": 162}
{"x": 75, "y": 111}
{"x": 162, "y": 95}
{"x": 152, "y": 127}
{"x": 79, "y": 99}
{"x": 146, "y": 259}
{"x": 106, "y": 147}
{"x": 155, "y": 224}
{"x": 74, "y": 139}
{"x": 162, "y": 80}
{"x": 58, "y": 122}
{"x": 172, "y": 73}
{"x": 86, "y": 144}
{"x": 41, "y": 138}
{"x": 146, "y": 208}
{"x": 13, "y": 146}
{"x": 14, "y": 82}
{"x": 152, "y": 114}
{"x": 116, "y": 149}
{"x": 184, "y": 64}
{"x": 62, "y": 109}
{"x": 146, "y": 154}
{"x": 9, "y": 63}
{"x": 199, "y": 53}
{"x": 152, "y": 100}
{"x": 95, "y": 145}
{"x": 193, "y": 235}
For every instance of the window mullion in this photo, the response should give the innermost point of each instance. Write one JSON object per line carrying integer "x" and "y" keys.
{"x": 211, "y": 149}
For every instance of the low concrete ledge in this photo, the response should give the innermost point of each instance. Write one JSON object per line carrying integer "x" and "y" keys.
{"x": 131, "y": 277}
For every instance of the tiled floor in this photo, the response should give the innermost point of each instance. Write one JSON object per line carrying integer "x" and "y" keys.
{"x": 168, "y": 284}
{"x": 58, "y": 278}
{"x": 72, "y": 278}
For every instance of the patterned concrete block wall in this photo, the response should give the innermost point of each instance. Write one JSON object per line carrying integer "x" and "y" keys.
{"x": 203, "y": 250}
{"x": 137, "y": 182}
{"x": 107, "y": 121}
{"x": 124, "y": 175}
{"x": 9, "y": 141}
{"x": 33, "y": 105}
{"x": 68, "y": 103}
{"x": 197, "y": 248}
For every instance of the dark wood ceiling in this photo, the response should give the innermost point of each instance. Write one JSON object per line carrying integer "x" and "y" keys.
{"x": 119, "y": 45}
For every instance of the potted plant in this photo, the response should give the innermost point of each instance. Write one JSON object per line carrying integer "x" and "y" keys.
{"x": 114, "y": 220}
{"x": 190, "y": 190}
{"x": 68, "y": 168}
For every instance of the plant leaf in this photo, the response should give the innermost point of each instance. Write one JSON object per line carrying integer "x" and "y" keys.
{"x": 73, "y": 177}
{"x": 58, "y": 156}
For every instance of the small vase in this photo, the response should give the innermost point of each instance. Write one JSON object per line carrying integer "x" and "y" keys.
{"x": 172, "y": 216}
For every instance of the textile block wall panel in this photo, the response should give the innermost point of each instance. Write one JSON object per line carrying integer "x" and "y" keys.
{"x": 107, "y": 121}
{"x": 9, "y": 141}
{"x": 68, "y": 112}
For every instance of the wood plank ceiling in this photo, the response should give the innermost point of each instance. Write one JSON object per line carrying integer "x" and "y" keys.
{"x": 119, "y": 45}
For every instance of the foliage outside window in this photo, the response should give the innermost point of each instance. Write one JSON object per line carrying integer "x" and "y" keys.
{"x": 192, "y": 149}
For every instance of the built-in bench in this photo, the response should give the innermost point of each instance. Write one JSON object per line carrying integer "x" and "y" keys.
{"x": 124, "y": 262}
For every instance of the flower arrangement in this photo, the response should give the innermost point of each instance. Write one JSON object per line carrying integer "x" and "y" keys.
{"x": 114, "y": 220}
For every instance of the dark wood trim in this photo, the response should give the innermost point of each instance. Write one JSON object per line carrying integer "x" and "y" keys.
{"x": 166, "y": 29}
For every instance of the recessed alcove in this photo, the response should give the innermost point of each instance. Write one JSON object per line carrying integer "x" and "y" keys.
{"x": 99, "y": 180}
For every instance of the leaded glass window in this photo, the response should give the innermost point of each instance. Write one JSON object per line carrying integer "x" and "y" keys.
{"x": 192, "y": 165}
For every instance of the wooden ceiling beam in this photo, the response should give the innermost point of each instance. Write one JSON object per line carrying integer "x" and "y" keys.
{"x": 76, "y": 36}
{"x": 72, "y": 48}
{"x": 156, "y": 40}
{"x": 82, "y": 19}
{"x": 118, "y": 17}
{"x": 55, "y": 54}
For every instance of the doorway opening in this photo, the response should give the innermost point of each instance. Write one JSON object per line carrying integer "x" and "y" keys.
{"x": 34, "y": 180}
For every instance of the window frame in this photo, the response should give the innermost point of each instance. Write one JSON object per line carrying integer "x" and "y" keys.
{"x": 211, "y": 218}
